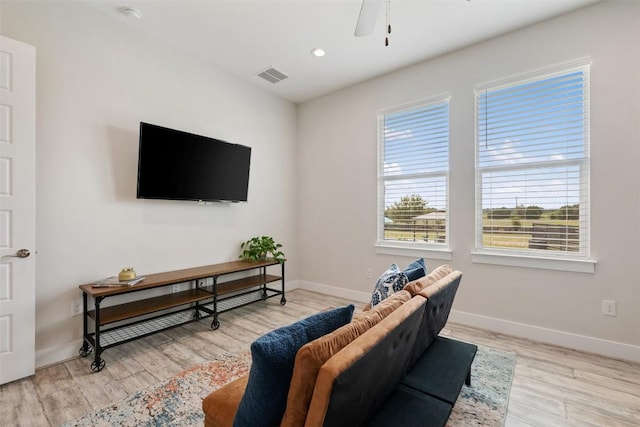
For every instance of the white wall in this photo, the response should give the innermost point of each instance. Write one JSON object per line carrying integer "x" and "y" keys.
{"x": 96, "y": 80}
{"x": 337, "y": 168}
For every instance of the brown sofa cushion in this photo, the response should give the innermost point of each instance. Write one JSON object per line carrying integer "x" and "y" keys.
{"x": 387, "y": 305}
{"x": 391, "y": 303}
{"x": 440, "y": 284}
{"x": 221, "y": 405}
{"x": 313, "y": 355}
{"x": 378, "y": 359}
{"x": 416, "y": 286}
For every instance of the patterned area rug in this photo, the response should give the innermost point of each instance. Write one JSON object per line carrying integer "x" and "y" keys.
{"x": 177, "y": 401}
{"x": 485, "y": 402}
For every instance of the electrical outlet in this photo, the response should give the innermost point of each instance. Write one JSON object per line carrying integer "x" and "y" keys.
{"x": 609, "y": 308}
{"x": 369, "y": 273}
{"x": 175, "y": 288}
{"x": 201, "y": 283}
{"x": 76, "y": 308}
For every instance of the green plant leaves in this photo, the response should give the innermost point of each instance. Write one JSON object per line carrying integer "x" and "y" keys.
{"x": 259, "y": 249}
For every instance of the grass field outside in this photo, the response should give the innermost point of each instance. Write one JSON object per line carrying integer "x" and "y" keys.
{"x": 528, "y": 222}
{"x": 509, "y": 237}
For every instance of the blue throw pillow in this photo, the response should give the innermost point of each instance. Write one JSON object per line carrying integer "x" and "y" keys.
{"x": 273, "y": 356}
{"x": 391, "y": 281}
{"x": 416, "y": 270}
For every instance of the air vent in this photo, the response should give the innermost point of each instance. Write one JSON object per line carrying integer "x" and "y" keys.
{"x": 272, "y": 75}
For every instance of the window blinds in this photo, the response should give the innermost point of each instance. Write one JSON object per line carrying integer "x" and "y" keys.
{"x": 413, "y": 174}
{"x": 532, "y": 164}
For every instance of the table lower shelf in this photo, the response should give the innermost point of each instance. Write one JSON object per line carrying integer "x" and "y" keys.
{"x": 121, "y": 334}
{"x": 229, "y": 302}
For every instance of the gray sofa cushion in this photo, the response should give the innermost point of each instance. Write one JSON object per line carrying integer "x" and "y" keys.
{"x": 440, "y": 297}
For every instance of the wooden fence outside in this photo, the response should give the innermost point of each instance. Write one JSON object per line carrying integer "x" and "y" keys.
{"x": 543, "y": 236}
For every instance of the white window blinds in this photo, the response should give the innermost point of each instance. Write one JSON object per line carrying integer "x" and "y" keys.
{"x": 532, "y": 164}
{"x": 413, "y": 173}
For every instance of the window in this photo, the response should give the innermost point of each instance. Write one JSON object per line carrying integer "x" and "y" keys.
{"x": 413, "y": 175}
{"x": 532, "y": 165}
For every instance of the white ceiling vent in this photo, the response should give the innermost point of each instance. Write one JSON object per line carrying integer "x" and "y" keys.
{"x": 272, "y": 75}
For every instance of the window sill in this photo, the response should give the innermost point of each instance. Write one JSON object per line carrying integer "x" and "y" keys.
{"x": 413, "y": 250}
{"x": 546, "y": 263}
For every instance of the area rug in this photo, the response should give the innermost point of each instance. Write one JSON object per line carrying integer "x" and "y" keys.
{"x": 177, "y": 401}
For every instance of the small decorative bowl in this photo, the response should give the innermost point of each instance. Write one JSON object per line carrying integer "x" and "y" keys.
{"x": 127, "y": 274}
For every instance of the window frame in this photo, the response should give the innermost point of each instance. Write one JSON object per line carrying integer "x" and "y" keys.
{"x": 411, "y": 248}
{"x": 565, "y": 261}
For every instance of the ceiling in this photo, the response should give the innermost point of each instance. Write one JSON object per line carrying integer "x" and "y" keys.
{"x": 244, "y": 37}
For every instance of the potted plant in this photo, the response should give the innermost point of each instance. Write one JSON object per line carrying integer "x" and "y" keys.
{"x": 259, "y": 249}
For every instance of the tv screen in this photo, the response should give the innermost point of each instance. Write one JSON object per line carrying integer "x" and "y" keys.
{"x": 177, "y": 165}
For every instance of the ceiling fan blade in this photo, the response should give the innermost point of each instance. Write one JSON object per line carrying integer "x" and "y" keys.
{"x": 367, "y": 19}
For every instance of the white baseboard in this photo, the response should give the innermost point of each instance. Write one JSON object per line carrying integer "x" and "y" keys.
{"x": 294, "y": 284}
{"x": 550, "y": 336}
{"x": 600, "y": 346}
{"x": 57, "y": 354}
{"x": 349, "y": 294}
{"x": 607, "y": 348}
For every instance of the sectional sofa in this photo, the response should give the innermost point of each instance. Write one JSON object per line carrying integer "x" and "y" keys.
{"x": 387, "y": 366}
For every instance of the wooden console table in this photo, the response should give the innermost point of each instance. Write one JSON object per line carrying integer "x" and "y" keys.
{"x": 121, "y": 323}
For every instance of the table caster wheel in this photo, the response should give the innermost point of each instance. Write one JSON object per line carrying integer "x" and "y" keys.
{"x": 97, "y": 367}
{"x": 283, "y": 301}
{"x": 215, "y": 324}
{"x": 84, "y": 353}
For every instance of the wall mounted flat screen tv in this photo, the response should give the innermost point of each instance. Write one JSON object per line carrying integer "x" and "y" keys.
{"x": 177, "y": 165}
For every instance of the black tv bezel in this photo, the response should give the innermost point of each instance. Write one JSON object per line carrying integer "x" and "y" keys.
{"x": 192, "y": 136}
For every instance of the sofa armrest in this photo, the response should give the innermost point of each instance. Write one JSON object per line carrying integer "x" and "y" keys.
{"x": 220, "y": 406}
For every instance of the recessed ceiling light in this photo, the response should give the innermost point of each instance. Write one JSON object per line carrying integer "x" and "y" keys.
{"x": 318, "y": 52}
{"x": 130, "y": 12}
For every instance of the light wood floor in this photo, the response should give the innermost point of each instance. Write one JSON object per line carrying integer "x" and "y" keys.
{"x": 552, "y": 386}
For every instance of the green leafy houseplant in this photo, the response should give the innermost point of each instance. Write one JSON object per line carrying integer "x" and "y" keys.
{"x": 259, "y": 248}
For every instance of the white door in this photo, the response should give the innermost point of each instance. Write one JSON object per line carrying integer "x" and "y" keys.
{"x": 17, "y": 209}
